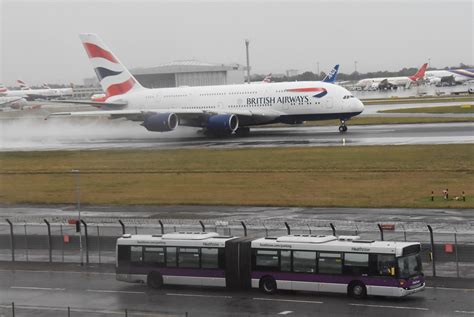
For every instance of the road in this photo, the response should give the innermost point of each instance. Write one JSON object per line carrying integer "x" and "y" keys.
{"x": 47, "y": 292}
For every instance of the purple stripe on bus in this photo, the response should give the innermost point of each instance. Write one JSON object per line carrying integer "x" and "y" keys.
{"x": 336, "y": 279}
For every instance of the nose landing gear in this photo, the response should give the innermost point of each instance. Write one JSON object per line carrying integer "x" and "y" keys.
{"x": 343, "y": 127}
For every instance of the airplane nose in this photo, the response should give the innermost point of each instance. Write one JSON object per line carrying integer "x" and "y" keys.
{"x": 358, "y": 106}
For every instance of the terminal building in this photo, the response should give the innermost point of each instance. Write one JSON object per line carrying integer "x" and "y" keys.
{"x": 186, "y": 73}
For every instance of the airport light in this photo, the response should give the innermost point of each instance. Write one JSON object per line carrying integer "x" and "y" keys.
{"x": 78, "y": 200}
{"x": 355, "y": 66}
{"x": 317, "y": 63}
{"x": 247, "y": 42}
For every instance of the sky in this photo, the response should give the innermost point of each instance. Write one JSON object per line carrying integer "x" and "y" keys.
{"x": 39, "y": 39}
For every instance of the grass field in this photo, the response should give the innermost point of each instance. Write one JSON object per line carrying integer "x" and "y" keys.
{"x": 448, "y": 109}
{"x": 397, "y": 176}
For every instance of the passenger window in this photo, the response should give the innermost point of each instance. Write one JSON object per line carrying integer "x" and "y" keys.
{"x": 188, "y": 257}
{"x": 285, "y": 261}
{"x": 304, "y": 261}
{"x": 136, "y": 254}
{"x": 154, "y": 255}
{"x": 209, "y": 258}
{"x": 330, "y": 263}
{"x": 171, "y": 256}
{"x": 267, "y": 259}
{"x": 356, "y": 263}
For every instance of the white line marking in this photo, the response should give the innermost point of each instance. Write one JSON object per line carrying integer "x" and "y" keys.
{"x": 112, "y": 291}
{"x": 286, "y": 312}
{"x": 464, "y": 312}
{"x": 384, "y": 306}
{"x": 56, "y": 272}
{"x": 80, "y": 310}
{"x": 38, "y": 288}
{"x": 197, "y": 295}
{"x": 451, "y": 288}
{"x": 287, "y": 300}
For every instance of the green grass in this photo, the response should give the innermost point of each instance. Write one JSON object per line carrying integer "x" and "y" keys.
{"x": 377, "y": 176}
{"x": 446, "y": 109}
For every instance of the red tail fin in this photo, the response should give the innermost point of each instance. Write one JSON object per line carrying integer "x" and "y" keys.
{"x": 420, "y": 73}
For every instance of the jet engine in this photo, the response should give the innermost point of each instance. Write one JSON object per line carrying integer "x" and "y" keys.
{"x": 222, "y": 124}
{"x": 161, "y": 122}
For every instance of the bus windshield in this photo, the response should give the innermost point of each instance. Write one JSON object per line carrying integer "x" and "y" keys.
{"x": 409, "y": 265}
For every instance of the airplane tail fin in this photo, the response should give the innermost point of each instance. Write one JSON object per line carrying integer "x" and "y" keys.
{"x": 331, "y": 77}
{"x": 22, "y": 85}
{"x": 45, "y": 86}
{"x": 267, "y": 79}
{"x": 3, "y": 89}
{"x": 113, "y": 76}
{"x": 420, "y": 73}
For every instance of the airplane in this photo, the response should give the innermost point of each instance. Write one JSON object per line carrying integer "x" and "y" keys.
{"x": 15, "y": 103}
{"x": 218, "y": 110}
{"x": 452, "y": 76}
{"x": 45, "y": 92}
{"x": 391, "y": 82}
{"x": 331, "y": 76}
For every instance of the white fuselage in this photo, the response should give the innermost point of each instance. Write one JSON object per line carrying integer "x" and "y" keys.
{"x": 459, "y": 75}
{"x": 374, "y": 82}
{"x": 290, "y": 100}
{"x": 38, "y": 93}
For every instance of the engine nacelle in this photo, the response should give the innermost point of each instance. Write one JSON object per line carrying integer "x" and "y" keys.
{"x": 223, "y": 124}
{"x": 161, "y": 122}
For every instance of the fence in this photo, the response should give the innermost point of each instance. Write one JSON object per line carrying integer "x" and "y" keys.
{"x": 449, "y": 254}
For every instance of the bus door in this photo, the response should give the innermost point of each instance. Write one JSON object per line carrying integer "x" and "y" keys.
{"x": 238, "y": 259}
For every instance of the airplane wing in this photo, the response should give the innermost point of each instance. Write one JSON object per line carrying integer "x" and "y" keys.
{"x": 187, "y": 116}
{"x": 6, "y": 102}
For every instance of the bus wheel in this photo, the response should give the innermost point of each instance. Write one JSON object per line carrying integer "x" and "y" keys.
{"x": 154, "y": 280}
{"x": 357, "y": 290}
{"x": 268, "y": 285}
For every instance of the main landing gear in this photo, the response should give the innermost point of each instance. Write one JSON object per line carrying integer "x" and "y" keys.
{"x": 343, "y": 127}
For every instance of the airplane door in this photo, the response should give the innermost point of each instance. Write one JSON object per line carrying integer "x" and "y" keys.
{"x": 329, "y": 102}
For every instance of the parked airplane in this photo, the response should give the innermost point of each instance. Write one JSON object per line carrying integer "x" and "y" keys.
{"x": 332, "y": 75}
{"x": 45, "y": 92}
{"x": 219, "y": 110}
{"x": 452, "y": 76}
{"x": 390, "y": 82}
{"x": 16, "y": 103}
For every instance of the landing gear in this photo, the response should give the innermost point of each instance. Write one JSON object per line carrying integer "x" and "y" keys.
{"x": 242, "y": 132}
{"x": 343, "y": 127}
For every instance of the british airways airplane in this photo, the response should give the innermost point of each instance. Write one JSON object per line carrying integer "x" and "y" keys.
{"x": 219, "y": 110}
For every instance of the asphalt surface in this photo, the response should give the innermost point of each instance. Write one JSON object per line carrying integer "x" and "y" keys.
{"x": 48, "y": 291}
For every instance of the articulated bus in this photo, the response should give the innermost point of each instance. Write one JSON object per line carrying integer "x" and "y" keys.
{"x": 344, "y": 264}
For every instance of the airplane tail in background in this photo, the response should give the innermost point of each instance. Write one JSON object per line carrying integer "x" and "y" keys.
{"x": 331, "y": 77}
{"x": 45, "y": 86}
{"x": 22, "y": 85}
{"x": 420, "y": 73}
{"x": 3, "y": 89}
{"x": 114, "y": 78}
{"x": 267, "y": 79}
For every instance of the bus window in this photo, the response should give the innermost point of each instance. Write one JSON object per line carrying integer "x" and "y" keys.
{"x": 386, "y": 264}
{"x": 154, "y": 255}
{"x": 267, "y": 260}
{"x": 285, "y": 261}
{"x": 356, "y": 263}
{"x": 304, "y": 261}
{"x": 330, "y": 263}
{"x": 171, "y": 256}
{"x": 188, "y": 257}
{"x": 209, "y": 259}
{"x": 136, "y": 254}
{"x": 124, "y": 253}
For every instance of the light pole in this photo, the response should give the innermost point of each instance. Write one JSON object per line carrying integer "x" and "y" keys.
{"x": 355, "y": 66}
{"x": 247, "y": 42}
{"x": 78, "y": 199}
{"x": 317, "y": 63}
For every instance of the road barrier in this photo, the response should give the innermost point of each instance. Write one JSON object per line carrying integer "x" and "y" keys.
{"x": 449, "y": 254}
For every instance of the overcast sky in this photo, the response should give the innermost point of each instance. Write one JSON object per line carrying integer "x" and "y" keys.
{"x": 39, "y": 41}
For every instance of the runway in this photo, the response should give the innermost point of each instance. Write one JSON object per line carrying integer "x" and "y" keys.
{"x": 18, "y": 135}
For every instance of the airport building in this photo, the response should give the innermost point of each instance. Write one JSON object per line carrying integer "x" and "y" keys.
{"x": 186, "y": 73}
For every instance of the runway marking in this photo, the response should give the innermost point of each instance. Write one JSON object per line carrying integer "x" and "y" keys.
{"x": 451, "y": 288}
{"x": 386, "y": 306}
{"x": 72, "y": 272}
{"x": 79, "y": 310}
{"x": 286, "y": 312}
{"x": 287, "y": 300}
{"x": 112, "y": 291}
{"x": 463, "y": 312}
{"x": 38, "y": 288}
{"x": 197, "y": 295}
